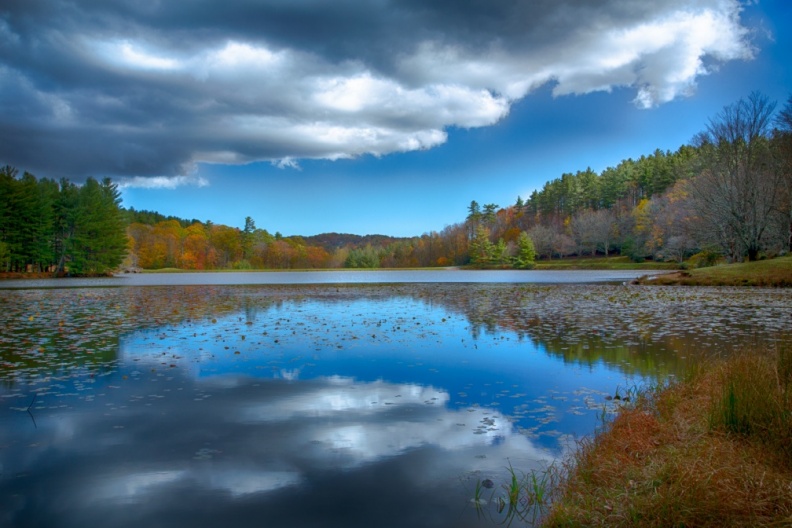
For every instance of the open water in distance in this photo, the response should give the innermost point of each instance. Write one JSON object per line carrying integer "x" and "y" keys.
{"x": 350, "y": 405}
{"x": 339, "y": 277}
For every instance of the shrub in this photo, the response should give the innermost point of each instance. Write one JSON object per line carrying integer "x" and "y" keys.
{"x": 704, "y": 259}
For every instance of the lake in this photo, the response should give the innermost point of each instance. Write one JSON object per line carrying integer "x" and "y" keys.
{"x": 308, "y": 403}
{"x": 440, "y": 275}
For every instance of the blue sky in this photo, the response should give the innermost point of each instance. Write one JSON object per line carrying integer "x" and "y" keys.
{"x": 315, "y": 117}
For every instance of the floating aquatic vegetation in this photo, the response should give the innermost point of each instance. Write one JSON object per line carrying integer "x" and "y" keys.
{"x": 349, "y": 376}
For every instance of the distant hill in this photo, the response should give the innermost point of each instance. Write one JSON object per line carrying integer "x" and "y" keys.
{"x": 332, "y": 241}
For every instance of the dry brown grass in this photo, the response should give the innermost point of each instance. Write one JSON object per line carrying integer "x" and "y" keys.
{"x": 665, "y": 462}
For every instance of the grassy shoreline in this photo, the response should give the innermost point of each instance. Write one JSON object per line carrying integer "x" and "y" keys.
{"x": 775, "y": 272}
{"x": 714, "y": 449}
{"x": 603, "y": 263}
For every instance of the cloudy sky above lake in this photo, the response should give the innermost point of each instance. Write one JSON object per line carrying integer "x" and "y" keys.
{"x": 366, "y": 116}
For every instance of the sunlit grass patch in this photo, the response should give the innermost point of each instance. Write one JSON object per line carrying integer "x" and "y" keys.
{"x": 602, "y": 263}
{"x": 711, "y": 450}
{"x": 772, "y": 272}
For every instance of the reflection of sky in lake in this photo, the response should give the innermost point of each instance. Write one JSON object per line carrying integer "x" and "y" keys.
{"x": 323, "y": 406}
{"x": 399, "y": 341}
{"x": 233, "y": 450}
{"x": 306, "y": 412}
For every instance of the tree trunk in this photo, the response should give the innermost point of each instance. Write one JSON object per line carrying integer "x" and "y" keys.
{"x": 790, "y": 236}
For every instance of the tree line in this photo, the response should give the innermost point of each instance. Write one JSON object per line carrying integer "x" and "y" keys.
{"x": 726, "y": 194}
{"x": 59, "y": 227}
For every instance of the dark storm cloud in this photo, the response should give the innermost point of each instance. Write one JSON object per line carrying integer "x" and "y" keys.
{"x": 149, "y": 88}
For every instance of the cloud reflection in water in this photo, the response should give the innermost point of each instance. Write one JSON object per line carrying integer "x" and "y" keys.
{"x": 150, "y": 450}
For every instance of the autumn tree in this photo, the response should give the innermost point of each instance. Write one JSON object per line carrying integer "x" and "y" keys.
{"x": 675, "y": 224}
{"x": 168, "y": 240}
{"x": 227, "y": 243}
{"x": 738, "y": 191}
{"x": 142, "y": 245}
{"x": 583, "y": 231}
{"x": 783, "y": 145}
{"x": 543, "y": 238}
{"x": 317, "y": 257}
{"x": 196, "y": 251}
{"x": 455, "y": 243}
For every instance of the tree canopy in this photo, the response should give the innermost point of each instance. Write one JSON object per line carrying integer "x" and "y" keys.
{"x": 60, "y": 227}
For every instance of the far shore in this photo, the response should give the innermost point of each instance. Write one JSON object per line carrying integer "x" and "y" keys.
{"x": 775, "y": 272}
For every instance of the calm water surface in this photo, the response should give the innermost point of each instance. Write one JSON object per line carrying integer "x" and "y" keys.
{"x": 340, "y": 277}
{"x": 326, "y": 404}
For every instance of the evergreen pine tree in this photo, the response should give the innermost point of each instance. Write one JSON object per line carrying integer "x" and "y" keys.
{"x": 99, "y": 242}
{"x": 526, "y": 253}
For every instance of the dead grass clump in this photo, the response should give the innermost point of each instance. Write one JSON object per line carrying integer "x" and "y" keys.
{"x": 664, "y": 462}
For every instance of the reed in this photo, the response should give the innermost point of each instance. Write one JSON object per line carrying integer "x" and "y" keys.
{"x": 524, "y": 498}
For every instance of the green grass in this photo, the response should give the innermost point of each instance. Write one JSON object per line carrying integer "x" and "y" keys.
{"x": 711, "y": 450}
{"x": 772, "y": 272}
{"x": 165, "y": 270}
{"x": 602, "y": 263}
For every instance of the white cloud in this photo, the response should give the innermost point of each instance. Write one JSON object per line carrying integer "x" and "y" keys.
{"x": 359, "y": 433}
{"x": 224, "y": 94}
{"x": 286, "y": 163}
{"x": 660, "y": 55}
{"x": 162, "y": 182}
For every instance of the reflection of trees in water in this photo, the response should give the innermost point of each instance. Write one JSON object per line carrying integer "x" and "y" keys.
{"x": 652, "y": 331}
{"x": 640, "y": 330}
{"x": 60, "y": 330}
{"x": 566, "y": 333}
{"x": 251, "y": 311}
{"x": 643, "y": 359}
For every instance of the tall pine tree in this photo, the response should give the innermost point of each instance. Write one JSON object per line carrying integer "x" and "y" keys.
{"x": 98, "y": 243}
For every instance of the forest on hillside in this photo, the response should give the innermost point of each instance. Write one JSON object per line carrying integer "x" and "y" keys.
{"x": 728, "y": 194}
